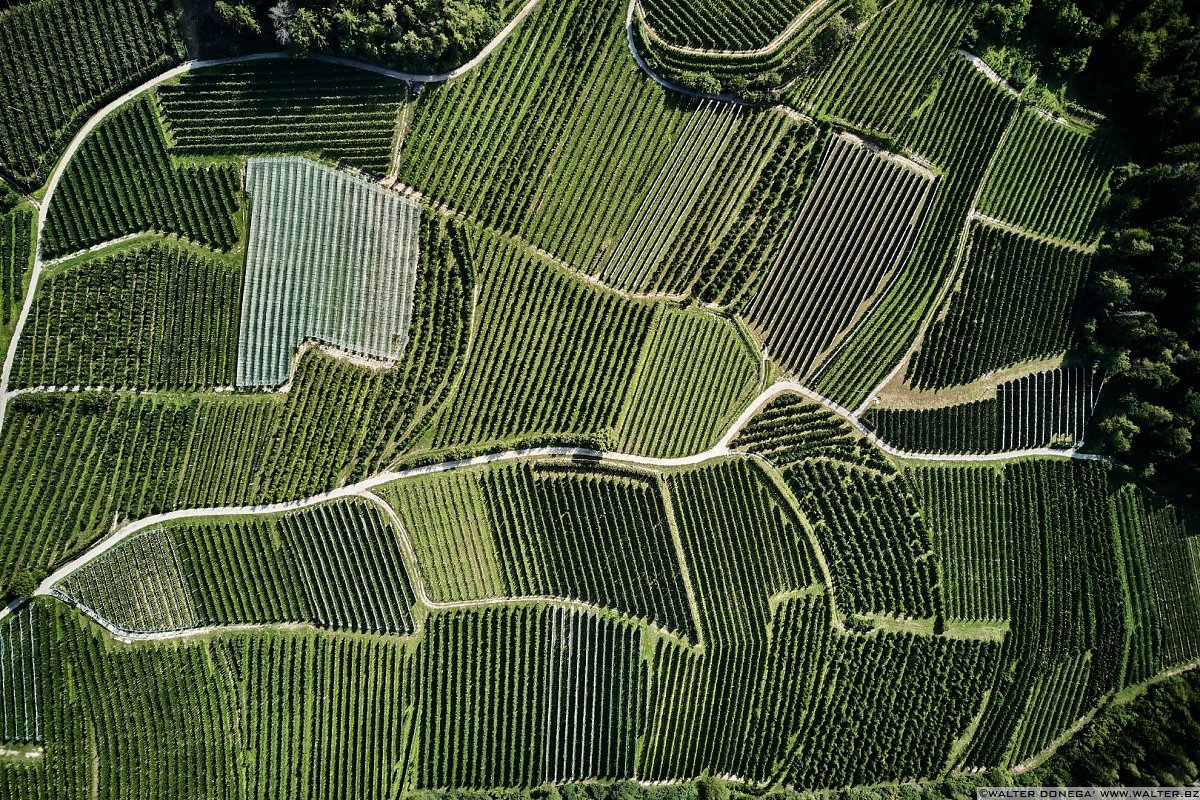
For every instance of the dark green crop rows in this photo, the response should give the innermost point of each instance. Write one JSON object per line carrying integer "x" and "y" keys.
{"x": 123, "y": 181}
{"x": 152, "y": 317}
{"x": 60, "y": 60}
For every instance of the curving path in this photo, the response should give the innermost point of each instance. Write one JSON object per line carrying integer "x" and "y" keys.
{"x": 363, "y": 488}
{"x": 43, "y": 207}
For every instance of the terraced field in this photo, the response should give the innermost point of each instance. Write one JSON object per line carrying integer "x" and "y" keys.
{"x": 674, "y": 400}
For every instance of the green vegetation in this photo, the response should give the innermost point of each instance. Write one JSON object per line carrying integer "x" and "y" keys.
{"x": 122, "y": 181}
{"x": 489, "y": 535}
{"x": 878, "y": 81}
{"x": 514, "y": 712}
{"x": 790, "y": 429}
{"x": 20, "y": 655}
{"x": 1060, "y": 546}
{"x": 16, "y": 257}
{"x": 722, "y": 26}
{"x": 547, "y": 531}
{"x": 550, "y": 355}
{"x": 282, "y": 106}
{"x": 879, "y": 551}
{"x": 420, "y": 37}
{"x": 1049, "y": 178}
{"x": 957, "y": 129}
{"x": 153, "y": 316}
{"x": 338, "y": 565}
{"x": 757, "y": 75}
{"x": 697, "y": 373}
{"x": 850, "y": 237}
{"x": 1017, "y": 301}
{"x": 729, "y": 266}
{"x": 968, "y": 512}
{"x": 136, "y": 455}
{"x": 60, "y": 60}
{"x": 1042, "y": 409}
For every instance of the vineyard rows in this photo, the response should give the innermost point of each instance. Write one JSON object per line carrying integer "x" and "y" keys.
{"x": 283, "y": 106}
{"x": 154, "y": 316}
{"x": 1042, "y": 409}
{"x": 889, "y": 709}
{"x": 791, "y": 428}
{"x": 594, "y": 680}
{"x": 501, "y": 697}
{"x": 728, "y": 264}
{"x": 743, "y": 548}
{"x": 330, "y": 257}
{"x": 1016, "y": 303}
{"x": 529, "y": 530}
{"x": 636, "y": 261}
{"x": 122, "y": 181}
{"x": 1055, "y": 702}
{"x": 20, "y": 694}
{"x": 971, "y": 427}
{"x": 524, "y": 693}
{"x": 137, "y": 586}
{"x": 799, "y": 57}
{"x": 697, "y": 372}
{"x": 968, "y": 511}
{"x": 136, "y": 455}
{"x": 878, "y": 81}
{"x": 551, "y": 353}
{"x": 878, "y": 548}
{"x": 959, "y": 130}
{"x": 1050, "y": 178}
{"x": 722, "y": 26}
{"x": 853, "y": 232}
{"x": 320, "y": 716}
{"x": 742, "y": 545}
{"x": 1157, "y": 545}
{"x": 60, "y": 60}
{"x": 337, "y": 565}
{"x": 1047, "y": 408}
{"x": 16, "y": 253}
{"x": 556, "y": 139}
{"x": 1060, "y": 543}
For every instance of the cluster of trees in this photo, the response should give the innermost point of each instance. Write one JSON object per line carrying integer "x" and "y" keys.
{"x": 417, "y": 35}
{"x": 1141, "y": 63}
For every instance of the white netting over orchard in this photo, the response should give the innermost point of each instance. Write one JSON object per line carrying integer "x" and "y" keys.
{"x": 330, "y": 257}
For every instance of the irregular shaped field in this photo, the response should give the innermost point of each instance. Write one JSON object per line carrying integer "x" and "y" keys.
{"x": 330, "y": 257}
{"x": 609, "y": 418}
{"x": 855, "y": 230}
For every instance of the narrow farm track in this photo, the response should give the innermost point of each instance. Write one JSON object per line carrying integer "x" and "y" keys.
{"x": 1057, "y": 241}
{"x": 991, "y": 74}
{"x": 654, "y": 76}
{"x": 43, "y": 207}
{"x": 364, "y": 489}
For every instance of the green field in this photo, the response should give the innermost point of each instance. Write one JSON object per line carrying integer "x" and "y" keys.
{"x": 670, "y": 401}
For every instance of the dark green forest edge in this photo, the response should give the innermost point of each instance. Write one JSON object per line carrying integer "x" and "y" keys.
{"x": 801, "y": 613}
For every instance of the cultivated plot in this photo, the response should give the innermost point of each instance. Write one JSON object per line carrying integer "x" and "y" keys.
{"x": 331, "y": 257}
{"x": 635, "y": 262}
{"x": 855, "y": 229}
{"x": 20, "y": 702}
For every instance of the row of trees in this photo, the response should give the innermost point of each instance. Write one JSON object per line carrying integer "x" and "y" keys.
{"x": 418, "y": 35}
{"x": 1138, "y": 62}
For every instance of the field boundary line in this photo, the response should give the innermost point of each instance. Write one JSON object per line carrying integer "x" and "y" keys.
{"x": 764, "y": 50}
{"x": 720, "y": 450}
{"x": 43, "y": 207}
{"x": 985, "y": 68}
